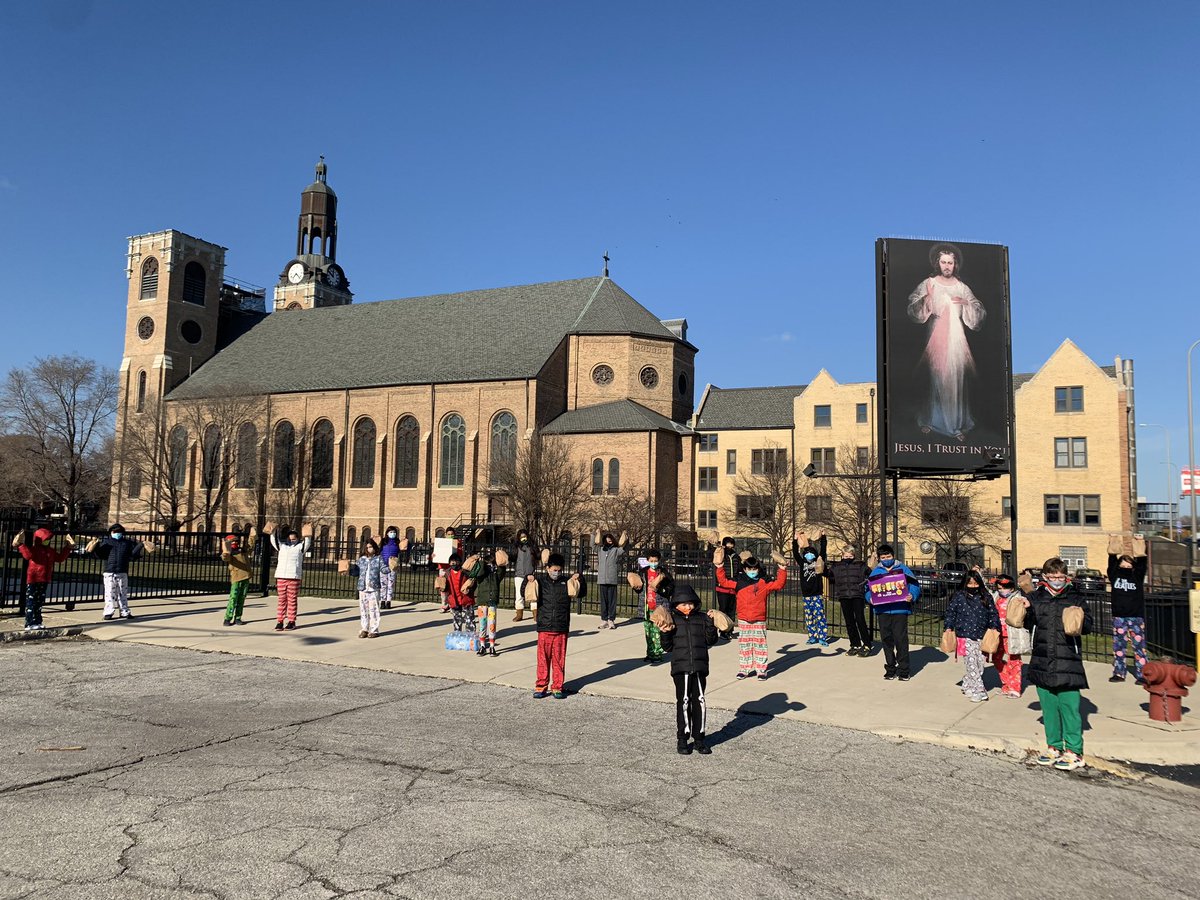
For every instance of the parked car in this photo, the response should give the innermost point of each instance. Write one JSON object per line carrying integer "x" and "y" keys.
{"x": 931, "y": 581}
{"x": 1090, "y": 580}
{"x": 418, "y": 555}
{"x": 954, "y": 574}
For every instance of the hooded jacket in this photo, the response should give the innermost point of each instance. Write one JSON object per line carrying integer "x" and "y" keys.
{"x": 693, "y": 634}
{"x": 608, "y": 563}
{"x": 1057, "y": 660}
{"x": 455, "y": 595}
{"x": 239, "y": 561}
{"x": 970, "y": 615}
{"x": 488, "y": 578}
{"x": 117, "y": 555}
{"x": 524, "y": 558}
{"x": 752, "y": 593}
{"x": 42, "y": 557}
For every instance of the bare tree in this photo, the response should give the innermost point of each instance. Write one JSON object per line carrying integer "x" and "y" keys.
{"x": 853, "y": 506}
{"x": 544, "y": 488}
{"x": 281, "y": 490}
{"x": 155, "y": 461}
{"x": 769, "y": 502}
{"x": 951, "y": 513}
{"x": 215, "y": 422}
{"x": 63, "y": 406}
{"x": 643, "y": 519}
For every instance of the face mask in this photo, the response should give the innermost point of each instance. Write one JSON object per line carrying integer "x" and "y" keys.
{"x": 729, "y": 548}
{"x": 455, "y": 566}
{"x": 809, "y": 557}
{"x": 234, "y": 548}
{"x": 653, "y": 565}
{"x": 1056, "y": 584}
{"x": 752, "y": 574}
{"x": 392, "y": 535}
{"x": 1004, "y": 592}
{"x": 886, "y": 562}
{"x": 553, "y": 574}
{"x": 117, "y": 535}
{"x": 524, "y": 540}
{"x": 292, "y": 539}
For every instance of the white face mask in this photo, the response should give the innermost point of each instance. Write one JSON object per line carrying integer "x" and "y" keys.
{"x": 393, "y": 535}
{"x": 553, "y": 573}
{"x": 117, "y": 535}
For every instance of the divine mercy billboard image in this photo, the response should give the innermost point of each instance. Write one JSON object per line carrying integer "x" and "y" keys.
{"x": 945, "y": 356}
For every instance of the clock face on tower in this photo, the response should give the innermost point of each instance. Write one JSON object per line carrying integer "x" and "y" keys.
{"x": 295, "y": 273}
{"x": 333, "y": 277}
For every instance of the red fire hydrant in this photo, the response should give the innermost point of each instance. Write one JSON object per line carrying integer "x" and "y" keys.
{"x": 1167, "y": 684}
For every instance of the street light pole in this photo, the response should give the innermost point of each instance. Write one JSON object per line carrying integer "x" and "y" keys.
{"x": 1192, "y": 467}
{"x": 1167, "y": 433}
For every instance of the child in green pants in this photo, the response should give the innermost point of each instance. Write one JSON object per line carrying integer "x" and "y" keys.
{"x": 237, "y": 556}
{"x": 1056, "y": 664}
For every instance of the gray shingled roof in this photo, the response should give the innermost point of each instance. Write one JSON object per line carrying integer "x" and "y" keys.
{"x": 758, "y": 407}
{"x": 616, "y": 416}
{"x": 487, "y": 335}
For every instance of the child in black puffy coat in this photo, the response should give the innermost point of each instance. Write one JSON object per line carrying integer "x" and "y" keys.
{"x": 687, "y": 638}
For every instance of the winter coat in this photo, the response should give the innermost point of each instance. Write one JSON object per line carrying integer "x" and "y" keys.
{"x": 455, "y": 595}
{"x": 42, "y": 558}
{"x": 1128, "y": 588}
{"x": 488, "y": 578}
{"x": 291, "y": 557}
{"x": 239, "y": 562}
{"x": 1057, "y": 660}
{"x": 752, "y": 593}
{"x": 849, "y": 577}
{"x": 554, "y": 604}
{"x": 524, "y": 557}
{"x": 370, "y": 570}
{"x": 608, "y": 564}
{"x": 117, "y": 555}
{"x": 904, "y": 607}
{"x": 731, "y": 566}
{"x": 389, "y": 549}
{"x": 812, "y": 582}
{"x": 688, "y": 643}
{"x": 970, "y": 615}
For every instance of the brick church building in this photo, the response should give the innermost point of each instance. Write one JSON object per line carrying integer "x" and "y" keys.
{"x": 398, "y": 412}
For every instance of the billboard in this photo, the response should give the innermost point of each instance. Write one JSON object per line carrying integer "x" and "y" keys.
{"x": 945, "y": 357}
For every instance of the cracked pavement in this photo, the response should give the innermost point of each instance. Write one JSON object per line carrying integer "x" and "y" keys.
{"x": 238, "y": 777}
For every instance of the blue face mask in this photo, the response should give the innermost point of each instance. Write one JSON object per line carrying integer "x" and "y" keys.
{"x": 887, "y": 562}
{"x": 117, "y": 535}
{"x": 810, "y": 556}
{"x": 752, "y": 574}
{"x": 652, "y": 565}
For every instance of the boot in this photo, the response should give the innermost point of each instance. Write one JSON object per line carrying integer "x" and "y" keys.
{"x": 518, "y": 615}
{"x": 702, "y": 746}
{"x": 492, "y": 650}
{"x": 682, "y": 747}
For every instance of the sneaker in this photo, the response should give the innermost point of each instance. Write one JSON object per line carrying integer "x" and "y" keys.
{"x": 1139, "y": 681}
{"x": 491, "y": 651}
{"x": 362, "y": 634}
{"x": 1117, "y": 679}
{"x": 538, "y": 695}
{"x": 889, "y": 676}
{"x": 228, "y": 622}
{"x": 445, "y": 608}
{"x": 108, "y": 615}
{"x": 238, "y": 621}
{"x": 974, "y": 698}
{"x": 683, "y": 748}
{"x": 1048, "y": 757}
{"x": 290, "y": 625}
{"x": 740, "y": 675}
{"x": 373, "y": 634}
{"x": 1068, "y": 762}
{"x": 1012, "y": 695}
{"x": 823, "y": 643}
{"x": 70, "y": 606}
{"x": 811, "y": 640}
{"x": 762, "y": 676}
{"x": 612, "y": 623}
{"x": 279, "y": 626}
{"x": 905, "y": 677}
{"x": 702, "y": 748}
{"x": 559, "y": 695}
{"x": 853, "y": 651}
{"x": 751, "y": 674}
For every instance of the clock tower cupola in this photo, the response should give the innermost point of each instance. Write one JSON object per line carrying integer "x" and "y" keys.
{"x": 312, "y": 277}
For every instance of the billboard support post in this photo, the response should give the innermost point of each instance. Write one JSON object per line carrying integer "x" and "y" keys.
{"x": 881, "y": 383}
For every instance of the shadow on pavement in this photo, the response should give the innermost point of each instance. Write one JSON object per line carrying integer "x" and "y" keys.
{"x": 754, "y": 714}
{"x": 923, "y": 656}
{"x": 791, "y": 657}
{"x": 612, "y": 669}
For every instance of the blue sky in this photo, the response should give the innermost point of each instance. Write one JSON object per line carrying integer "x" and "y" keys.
{"x": 736, "y": 160}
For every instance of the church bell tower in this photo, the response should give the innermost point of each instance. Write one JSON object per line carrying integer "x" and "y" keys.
{"x": 312, "y": 277}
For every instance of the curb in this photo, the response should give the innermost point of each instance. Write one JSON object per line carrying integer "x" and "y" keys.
{"x": 42, "y": 634}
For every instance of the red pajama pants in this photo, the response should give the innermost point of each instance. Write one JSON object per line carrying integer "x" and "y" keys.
{"x": 551, "y": 660}
{"x": 288, "y": 590}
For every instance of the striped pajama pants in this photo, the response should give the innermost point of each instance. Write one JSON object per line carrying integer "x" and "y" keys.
{"x": 752, "y": 647}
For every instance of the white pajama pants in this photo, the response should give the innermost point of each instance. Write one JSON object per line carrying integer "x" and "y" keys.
{"x": 116, "y": 593}
{"x": 368, "y": 611}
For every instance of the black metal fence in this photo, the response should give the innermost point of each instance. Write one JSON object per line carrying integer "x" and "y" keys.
{"x": 189, "y": 564}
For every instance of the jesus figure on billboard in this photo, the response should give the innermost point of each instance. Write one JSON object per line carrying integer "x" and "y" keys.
{"x": 948, "y": 308}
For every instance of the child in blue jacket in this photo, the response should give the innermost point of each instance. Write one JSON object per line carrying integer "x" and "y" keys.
{"x": 893, "y": 616}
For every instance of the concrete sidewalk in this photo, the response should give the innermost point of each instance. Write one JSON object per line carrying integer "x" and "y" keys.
{"x": 807, "y": 683}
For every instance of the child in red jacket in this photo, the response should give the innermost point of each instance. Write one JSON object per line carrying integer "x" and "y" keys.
{"x": 751, "y": 592}
{"x": 460, "y": 595}
{"x": 41, "y": 557}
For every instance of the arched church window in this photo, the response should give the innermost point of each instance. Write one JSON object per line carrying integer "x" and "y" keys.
{"x": 284, "y": 475}
{"x": 454, "y": 451}
{"x": 504, "y": 446}
{"x": 614, "y": 476}
{"x": 597, "y": 477}
{"x": 211, "y": 473}
{"x": 149, "y": 290}
{"x": 408, "y": 451}
{"x": 322, "y": 455}
{"x": 177, "y": 445}
{"x": 362, "y": 473}
{"x": 193, "y": 283}
{"x": 247, "y": 455}
{"x": 141, "y": 391}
